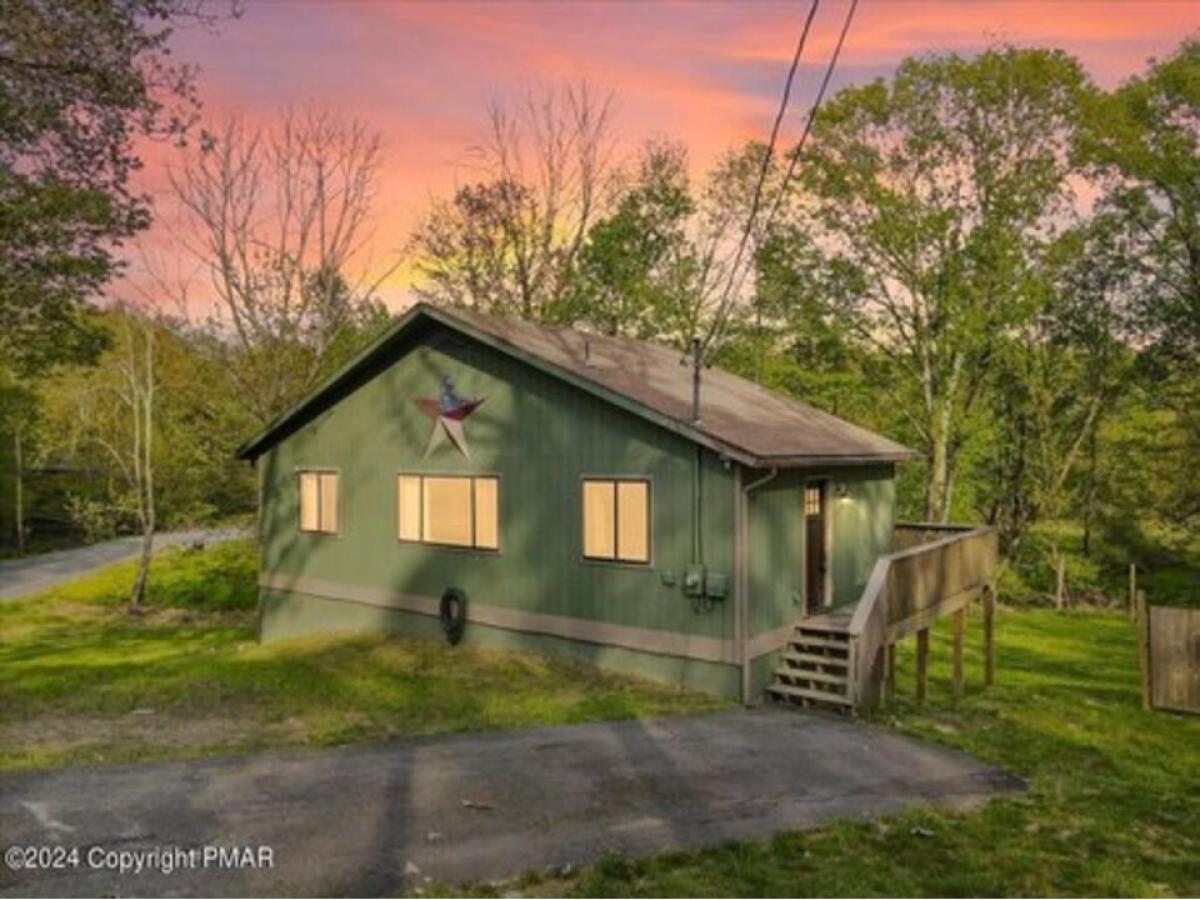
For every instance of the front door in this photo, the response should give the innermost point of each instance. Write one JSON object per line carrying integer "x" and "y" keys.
{"x": 815, "y": 564}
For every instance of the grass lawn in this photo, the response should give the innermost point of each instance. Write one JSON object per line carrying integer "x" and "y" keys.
{"x": 1113, "y": 807}
{"x": 82, "y": 682}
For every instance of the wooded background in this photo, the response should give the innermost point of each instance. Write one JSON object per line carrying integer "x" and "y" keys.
{"x": 987, "y": 258}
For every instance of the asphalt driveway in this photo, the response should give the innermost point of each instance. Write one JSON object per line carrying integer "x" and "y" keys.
{"x": 388, "y": 818}
{"x": 30, "y": 574}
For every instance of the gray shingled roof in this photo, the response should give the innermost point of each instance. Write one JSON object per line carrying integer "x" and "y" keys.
{"x": 742, "y": 419}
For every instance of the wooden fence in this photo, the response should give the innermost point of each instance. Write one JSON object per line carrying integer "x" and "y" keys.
{"x": 1170, "y": 645}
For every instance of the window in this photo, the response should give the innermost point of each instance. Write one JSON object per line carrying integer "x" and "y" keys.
{"x": 319, "y": 502}
{"x": 457, "y": 511}
{"x": 812, "y": 500}
{"x": 616, "y": 520}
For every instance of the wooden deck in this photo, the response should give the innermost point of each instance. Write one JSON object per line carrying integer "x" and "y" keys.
{"x": 845, "y": 658}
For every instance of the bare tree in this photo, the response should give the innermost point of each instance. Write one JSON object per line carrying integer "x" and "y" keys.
{"x": 114, "y": 413}
{"x": 139, "y": 398}
{"x": 509, "y": 242}
{"x": 279, "y": 217}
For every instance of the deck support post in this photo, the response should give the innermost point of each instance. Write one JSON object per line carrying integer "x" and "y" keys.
{"x": 922, "y": 664}
{"x": 989, "y": 636}
{"x": 890, "y": 670}
{"x": 960, "y": 619}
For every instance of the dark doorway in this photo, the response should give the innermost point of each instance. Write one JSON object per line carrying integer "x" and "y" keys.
{"x": 815, "y": 562}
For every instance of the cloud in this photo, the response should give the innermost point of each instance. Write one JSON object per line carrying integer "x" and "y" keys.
{"x": 708, "y": 74}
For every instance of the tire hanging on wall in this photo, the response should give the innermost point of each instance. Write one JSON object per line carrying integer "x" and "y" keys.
{"x": 453, "y": 612}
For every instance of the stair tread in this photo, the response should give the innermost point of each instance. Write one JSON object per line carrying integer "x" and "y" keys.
{"x": 821, "y": 631}
{"x": 811, "y": 675}
{"x": 816, "y": 658}
{"x": 809, "y": 694}
{"x": 835, "y": 619}
{"x": 799, "y": 639}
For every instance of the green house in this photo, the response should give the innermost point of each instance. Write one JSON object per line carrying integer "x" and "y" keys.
{"x": 581, "y": 496}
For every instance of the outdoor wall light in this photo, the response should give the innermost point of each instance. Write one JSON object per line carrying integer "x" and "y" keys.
{"x": 841, "y": 491}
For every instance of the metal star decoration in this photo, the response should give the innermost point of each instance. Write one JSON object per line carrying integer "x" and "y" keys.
{"x": 448, "y": 412}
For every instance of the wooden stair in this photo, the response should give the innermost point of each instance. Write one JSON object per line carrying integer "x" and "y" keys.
{"x": 843, "y": 659}
{"x": 814, "y": 667}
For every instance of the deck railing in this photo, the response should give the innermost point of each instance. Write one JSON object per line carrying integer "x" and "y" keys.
{"x": 935, "y": 570}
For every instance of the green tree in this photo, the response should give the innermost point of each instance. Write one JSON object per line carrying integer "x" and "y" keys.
{"x": 1056, "y": 376}
{"x": 18, "y": 418}
{"x": 1143, "y": 140}
{"x": 192, "y": 419}
{"x": 1143, "y": 143}
{"x": 627, "y": 277}
{"x": 938, "y": 193}
{"x": 79, "y": 83}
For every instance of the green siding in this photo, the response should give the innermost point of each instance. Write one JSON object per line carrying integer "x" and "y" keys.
{"x": 762, "y": 673}
{"x": 861, "y": 531}
{"x": 541, "y": 436}
{"x": 292, "y": 615}
{"x": 862, "y": 528}
{"x": 776, "y": 552}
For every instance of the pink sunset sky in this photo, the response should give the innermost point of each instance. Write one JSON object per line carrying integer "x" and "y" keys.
{"x": 708, "y": 73}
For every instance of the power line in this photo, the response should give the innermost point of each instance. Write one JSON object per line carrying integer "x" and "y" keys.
{"x": 718, "y": 325}
{"x": 812, "y": 114}
{"x": 756, "y": 200}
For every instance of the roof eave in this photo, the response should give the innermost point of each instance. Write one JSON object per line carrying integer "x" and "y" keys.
{"x": 252, "y": 449}
{"x": 257, "y": 445}
{"x": 833, "y": 459}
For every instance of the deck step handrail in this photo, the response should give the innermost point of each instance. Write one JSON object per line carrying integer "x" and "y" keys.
{"x": 911, "y": 587}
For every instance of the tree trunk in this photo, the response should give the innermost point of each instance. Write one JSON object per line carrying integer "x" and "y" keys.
{"x": 937, "y": 486}
{"x": 143, "y": 422}
{"x": 1060, "y": 578}
{"x": 1089, "y": 503}
{"x": 19, "y": 502}
{"x": 139, "y": 583}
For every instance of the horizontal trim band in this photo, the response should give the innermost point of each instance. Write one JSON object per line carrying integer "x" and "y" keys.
{"x": 630, "y": 637}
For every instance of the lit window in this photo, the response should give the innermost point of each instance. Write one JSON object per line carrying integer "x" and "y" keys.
{"x": 812, "y": 500}
{"x": 456, "y": 511}
{"x": 446, "y": 511}
{"x": 599, "y": 519}
{"x": 616, "y": 520}
{"x": 487, "y": 513}
{"x": 319, "y": 502}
